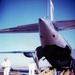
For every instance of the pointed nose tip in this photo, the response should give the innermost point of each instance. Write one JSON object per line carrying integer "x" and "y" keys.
{"x": 40, "y": 19}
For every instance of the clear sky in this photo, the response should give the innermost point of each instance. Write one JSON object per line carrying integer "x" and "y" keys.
{"x": 21, "y": 12}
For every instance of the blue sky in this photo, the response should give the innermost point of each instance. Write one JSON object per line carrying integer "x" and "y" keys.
{"x": 21, "y": 12}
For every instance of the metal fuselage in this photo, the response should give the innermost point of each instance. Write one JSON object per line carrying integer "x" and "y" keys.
{"x": 55, "y": 48}
{"x": 49, "y": 35}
